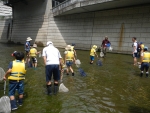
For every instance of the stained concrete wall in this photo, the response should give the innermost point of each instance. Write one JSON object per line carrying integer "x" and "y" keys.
{"x": 86, "y": 29}
{"x": 5, "y": 28}
{"x": 31, "y": 21}
{"x": 5, "y": 22}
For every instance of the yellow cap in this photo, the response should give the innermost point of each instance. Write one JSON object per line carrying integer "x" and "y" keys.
{"x": 94, "y": 46}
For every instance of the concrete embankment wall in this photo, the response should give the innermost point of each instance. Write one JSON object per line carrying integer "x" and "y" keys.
{"x": 31, "y": 21}
{"x": 5, "y": 28}
{"x": 86, "y": 29}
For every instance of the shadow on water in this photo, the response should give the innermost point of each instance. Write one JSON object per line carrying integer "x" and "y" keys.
{"x": 136, "y": 109}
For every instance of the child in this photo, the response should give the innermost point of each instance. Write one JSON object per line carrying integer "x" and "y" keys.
{"x": 73, "y": 49}
{"x": 33, "y": 53}
{"x": 27, "y": 49}
{"x": 13, "y": 55}
{"x": 62, "y": 68}
{"x": 145, "y": 59}
{"x": 69, "y": 59}
{"x": 16, "y": 75}
{"x": 93, "y": 53}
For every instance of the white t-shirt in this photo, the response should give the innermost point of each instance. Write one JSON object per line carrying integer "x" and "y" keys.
{"x": 135, "y": 45}
{"x": 52, "y": 55}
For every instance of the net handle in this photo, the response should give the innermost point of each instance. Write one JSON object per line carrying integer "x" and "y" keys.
{"x": 4, "y": 86}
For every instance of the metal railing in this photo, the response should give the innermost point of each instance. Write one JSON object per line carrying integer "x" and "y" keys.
{"x": 65, "y": 4}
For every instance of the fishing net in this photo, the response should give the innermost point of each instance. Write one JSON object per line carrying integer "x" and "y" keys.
{"x": 2, "y": 73}
{"x": 101, "y": 54}
{"x": 5, "y": 105}
{"x": 110, "y": 48}
{"x": 77, "y": 62}
{"x": 82, "y": 73}
{"x": 62, "y": 88}
{"x": 99, "y": 63}
{"x": 4, "y": 100}
{"x": 40, "y": 54}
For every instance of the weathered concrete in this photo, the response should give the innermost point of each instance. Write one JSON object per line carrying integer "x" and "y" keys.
{"x": 31, "y": 20}
{"x": 5, "y": 22}
{"x": 5, "y": 28}
{"x": 84, "y": 29}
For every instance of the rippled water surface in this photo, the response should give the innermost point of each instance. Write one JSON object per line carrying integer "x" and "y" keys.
{"x": 115, "y": 87}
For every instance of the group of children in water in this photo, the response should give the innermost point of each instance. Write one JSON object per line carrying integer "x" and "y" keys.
{"x": 16, "y": 72}
{"x": 140, "y": 51}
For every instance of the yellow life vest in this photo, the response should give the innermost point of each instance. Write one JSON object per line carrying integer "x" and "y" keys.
{"x": 18, "y": 71}
{"x": 92, "y": 52}
{"x": 146, "y": 57}
{"x": 70, "y": 55}
{"x": 33, "y": 52}
{"x": 72, "y": 48}
{"x": 142, "y": 46}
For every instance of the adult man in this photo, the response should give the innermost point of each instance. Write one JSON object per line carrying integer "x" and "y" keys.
{"x": 145, "y": 59}
{"x": 105, "y": 44}
{"x": 134, "y": 52}
{"x": 52, "y": 59}
{"x": 27, "y": 49}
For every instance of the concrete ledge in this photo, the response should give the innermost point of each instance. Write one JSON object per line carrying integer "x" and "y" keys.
{"x": 81, "y": 6}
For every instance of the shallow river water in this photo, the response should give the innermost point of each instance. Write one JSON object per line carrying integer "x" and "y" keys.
{"x": 115, "y": 87}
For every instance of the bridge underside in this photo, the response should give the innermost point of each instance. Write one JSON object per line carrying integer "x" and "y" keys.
{"x": 13, "y": 2}
{"x": 96, "y": 5}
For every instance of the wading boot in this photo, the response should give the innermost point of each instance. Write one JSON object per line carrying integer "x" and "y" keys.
{"x": 13, "y": 105}
{"x": 49, "y": 89}
{"x": 55, "y": 88}
{"x": 72, "y": 74}
{"x": 141, "y": 74}
{"x": 20, "y": 101}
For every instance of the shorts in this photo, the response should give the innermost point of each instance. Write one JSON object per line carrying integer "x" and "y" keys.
{"x": 52, "y": 70}
{"x": 92, "y": 58}
{"x": 69, "y": 63}
{"x": 34, "y": 60}
{"x": 14, "y": 85}
{"x": 27, "y": 53}
{"x": 144, "y": 65}
{"x": 135, "y": 55}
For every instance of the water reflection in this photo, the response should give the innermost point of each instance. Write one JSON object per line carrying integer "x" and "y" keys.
{"x": 115, "y": 87}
